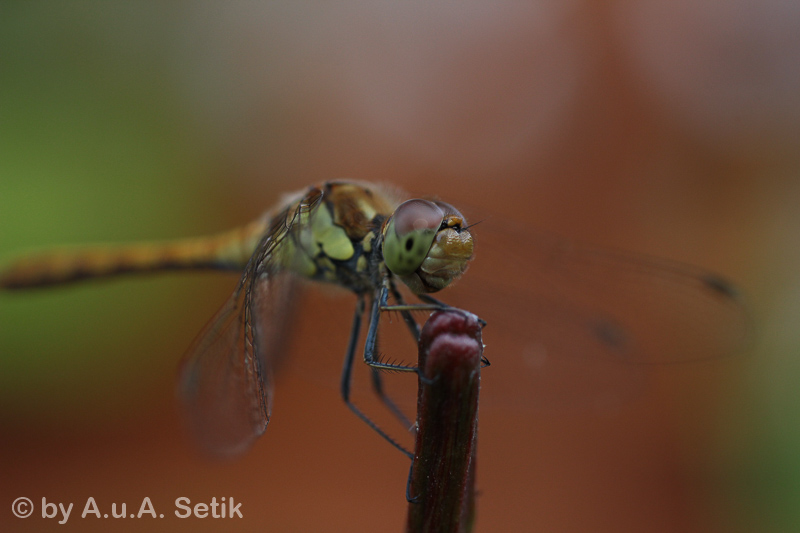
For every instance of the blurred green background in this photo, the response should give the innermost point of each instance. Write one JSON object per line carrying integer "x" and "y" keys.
{"x": 669, "y": 128}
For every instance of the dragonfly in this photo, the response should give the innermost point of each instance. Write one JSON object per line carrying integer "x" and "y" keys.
{"x": 570, "y": 313}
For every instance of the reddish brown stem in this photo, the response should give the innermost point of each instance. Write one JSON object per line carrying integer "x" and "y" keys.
{"x": 442, "y": 484}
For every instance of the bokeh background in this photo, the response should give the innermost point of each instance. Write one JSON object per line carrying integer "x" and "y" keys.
{"x": 669, "y": 128}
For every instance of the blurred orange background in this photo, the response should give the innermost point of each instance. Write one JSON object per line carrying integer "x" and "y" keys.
{"x": 668, "y": 128}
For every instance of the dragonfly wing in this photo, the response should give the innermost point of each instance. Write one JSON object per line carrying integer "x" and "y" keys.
{"x": 225, "y": 380}
{"x": 224, "y": 405}
{"x": 566, "y": 321}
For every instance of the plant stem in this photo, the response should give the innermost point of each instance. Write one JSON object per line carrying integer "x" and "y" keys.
{"x": 442, "y": 484}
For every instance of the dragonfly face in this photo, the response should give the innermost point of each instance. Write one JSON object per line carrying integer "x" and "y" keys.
{"x": 427, "y": 245}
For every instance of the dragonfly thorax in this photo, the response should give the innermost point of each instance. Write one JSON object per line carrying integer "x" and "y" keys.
{"x": 333, "y": 235}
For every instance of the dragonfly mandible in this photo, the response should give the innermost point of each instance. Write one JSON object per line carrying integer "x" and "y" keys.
{"x": 565, "y": 317}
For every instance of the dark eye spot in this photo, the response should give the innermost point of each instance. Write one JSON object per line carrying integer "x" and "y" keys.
{"x": 409, "y": 244}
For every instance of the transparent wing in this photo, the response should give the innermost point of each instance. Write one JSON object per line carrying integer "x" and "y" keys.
{"x": 225, "y": 380}
{"x": 567, "y": 321}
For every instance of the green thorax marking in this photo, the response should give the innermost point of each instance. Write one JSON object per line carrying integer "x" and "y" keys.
{"x": 320, "y": 249}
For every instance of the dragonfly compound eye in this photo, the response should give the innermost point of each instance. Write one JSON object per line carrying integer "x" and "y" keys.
{"x": 410, "y": 234}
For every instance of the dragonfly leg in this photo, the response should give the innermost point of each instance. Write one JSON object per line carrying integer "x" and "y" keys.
{"x": 431, "y": 300}
{"x": 405, "y": 309}
{"x": 377, "y": 388}
{"x": 409, "y": 320}
{"x": 377, "y": 380}
{"x": 370, "y": 347}
{"x": 347, "y": 378}
{"x": 409, "y": 498}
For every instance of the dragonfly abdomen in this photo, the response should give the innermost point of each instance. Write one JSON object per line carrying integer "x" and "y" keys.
{"x": 227, "y": 251}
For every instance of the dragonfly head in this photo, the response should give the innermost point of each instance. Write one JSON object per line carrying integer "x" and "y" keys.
{"x": 426, "y": 244}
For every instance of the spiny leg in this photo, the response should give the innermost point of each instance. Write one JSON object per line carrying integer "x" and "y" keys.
{"x": 379, "y": 306}
{"x": 370, "y": 347}
{"x": 377, "y": 380}
{"x": 370, "y": 351}
{"x": 347, "y": 378}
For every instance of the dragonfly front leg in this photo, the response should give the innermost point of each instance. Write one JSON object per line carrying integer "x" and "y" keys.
{"x": 379, "y": 306}
{"x": 371, "y": 356}
{"x": 377, "y": 379}
{"x": 377, "y": 388}
{"x": 431, "y": 300}
{"x": 370, "y": 350}
{"x": 347, "y": 378}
